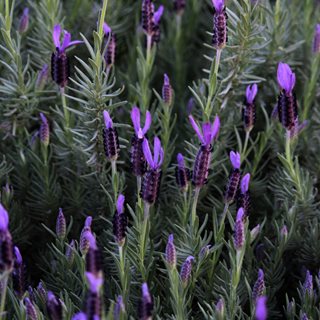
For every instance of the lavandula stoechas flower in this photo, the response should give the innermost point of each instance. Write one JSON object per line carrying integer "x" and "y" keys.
{"x": 146, "y": 304}
{"x": 54, "y": 307}
{"x": 137, "y": 158}
{"x": 110, "y": 138}
{"x": 220, "y": 309}
{"x": 6, "y": 247}
{"x": 249, "y": 109}
{"x": 42, "y": 77}
{"x": 85, "y": 235}
{"x": 120, "y": 222}
{"x": 93, "y": 303}
{"x": 287, "y": 101}
{"x": 261, "y": 308}
{"x": 151, "y": 180}
{"x": 239, "y": 230}
{"x": 151, "y": 20}
{"x": 201, "y": 165}
{"x": 185, "y": 272}
{"x": 308, "y": 284}
{"x": 31, "y": 311}
{"x": 70, "y": 252}
{"x": 167, "y": 92}
{"x": 18, "y": 274}
{"x": 316, "y": 40}
{"x": 179, "y": 6}
{"x": 60, "y": 68}
{"x": 118, "y": 308}
{"x": 182, "y": 173}
{"x": 244, "y": 199}
{"x": 110, "y": 53}
{"x": 220, "y": 31}
{"x": 80, "y": 316}
{"x": 24, "y": 21}
{"x": 42, "y": 292}
{"x": 234, "y": 178}
{"x": 259, "y": 286}
{"x": 171, "y": 253}
{"x": 61, "y": 225}
{"x": 93, "y": 257}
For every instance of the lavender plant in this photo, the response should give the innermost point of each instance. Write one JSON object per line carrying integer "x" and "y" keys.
{"x": 113, "y": 206}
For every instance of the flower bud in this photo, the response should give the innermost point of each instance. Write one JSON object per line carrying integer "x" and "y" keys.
{"x": 24, "y": 21}
{"x": 61, "y": 227}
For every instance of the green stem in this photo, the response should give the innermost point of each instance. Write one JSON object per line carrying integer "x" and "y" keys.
{"x": 65, "y": 108}
{"x": 114, "y": 175}
{"x": 102, "y": 18}
{"x": 122, "y": 272}
{"x": 143, "y": 239}
{"x": 194, "y": 206}
{"x": 245, "y": 144}
{"x": 4, "y": 285}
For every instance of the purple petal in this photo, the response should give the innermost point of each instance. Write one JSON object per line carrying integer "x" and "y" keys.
{"x": 120, "y": 203}
{"x": 190, "y": 258}
{"x": 147, "y": 123}
{"x": 25, "y": 11}
{"x": 286, "y": 78}
{"x": 218, "y": 5}
{"x": 251, "y": 93}
{"x": 261, "y": 308}
{"x": 66, "y": 40}
{"x": 215, "y": 128}
{"x": 43, "y": 118}
{"x": 4, "y": 218}
{"x": 91, "y": 239}
{"x": 88, "y": 221}
{"x": 235, "y": 159}
{"x": 157, "y": 151}
{"x": 73, "y": 43}
{"x": 79, "y": 316}
{"x": 166, "y": 80}
{"x": 244, "y": 186}
{"x": 240, "y": 214}
{"x": 135, "y": 117}
{"x": 147, "y": 152}
{"x": 56, "y": 35}
{"x": 180, "y": 160}
{"x": 158, "y": 14}
{"x": 206, "y": 129}
{"x": 196, "y": 129}
{"x": 170, "y": 238}
{"x": 106, "y": 29}
{"x": 107, "y": 120}
{"x": 18, "y": 255}
{"x": 95, "y": 281}
{"x": 146, "y": 293}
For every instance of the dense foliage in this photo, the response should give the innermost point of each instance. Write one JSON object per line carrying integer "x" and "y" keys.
{"x": 111, "y": 217}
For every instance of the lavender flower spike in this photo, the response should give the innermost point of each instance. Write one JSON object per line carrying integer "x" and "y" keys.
{"x": 157, "y": 159}
{"x": 61, "y": 226}
{"x": 249, "y": 109}
{"x": 261, "y": 308}
{"x": 286, "y": 78}
{"x": 220, "y": 31}
{"x": 316, "y": 40}
{"x": 234, "y": 178}
{"x": 111, "y": 46}
{"x": 146, "y": 304}
{"x": 54, "y": 307}
{"x": 182, "y": 173}
{"x": 44, "y": 130}
{"x": 119, "y": 308}
{"x": 120, "y": 222}
{"x": 171, "y": 254}
{"x": 110, "y": 138}
{"x": 18, "y": 274}
{"x": 4, "y": 219}
{"x": 308, "y": 284}
{"x": 244, "y": 198}
{"x": 24, "y": 21}
{"x": 31, "y": 311}
{"x": 186, "y": 268}
{"x": 167, "y": 91}
{"x": 60, "y": 69}
{"x": 239, "y": 232}
{"x": 259, "y": 286}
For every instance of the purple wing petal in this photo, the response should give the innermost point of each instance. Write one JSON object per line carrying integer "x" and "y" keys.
{"x": 166, "y": 80}
{"x": 56, "y": 35}
{"x": 180, "y": 160}
{"x": 43, "y": 118}
{"x": 145, "y": 293}
{"x": 66, "y": 40}
{"x": 88, "y": 221}
{"x": 120, "y": 203}
{"x": 135, "y": 117}
{"x": 244, "y": 186}
{"x": 95, "y": 281}
{"x": 261, "y": 308}
{"x": 218, "y": 5}
{"x": 286, "y": 78}
{"x": 79, "y": 316}
{"x": 235, "y": 159}
{"x": 107, "y": 120}
{"x": 4, "y": 218}
{"x": 215, "y": 128}
{"x": 206, "y": 129}
{"x": 158, "y": 14}
{"x": 106, "y": 29}
{"x": 73, "y": 43}
{"x": 240, "y": 214}
{"x": 251, "y": 93}
{"x": 196, "y": 129}
{"x": 147, "y": 123}
{"x": 18, "y": 255}
{"x": 147, "y": 152}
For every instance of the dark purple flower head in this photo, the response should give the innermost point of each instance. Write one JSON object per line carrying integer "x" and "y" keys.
{"x": 286, "y": 78}
{"x": 119, "y": 308}
{"x": 54, "y": 307}
{"x": 18, "y": 255}
{"x": 167, "y": 91}
{"x": 208, "y": 133}
{"x": 171, "y": 254}
{"x": 4, "y": 218}
{"x": 308, "y": 283}
{"x": 251, "y": 93}
{"x": 95, "y": 281}
{"x": 24, "y": 21}
{"x": 135, "y": 117}
{"x": 61, "y": 226}
{"x": 158, "y": 153}
{"x": 31, "y": 311}
{"x": 61, "y": 46}
{"x": 316, "y": 40}
{"x": 218, "y": 5}
{"x": 120, "y": 221}
{"x": 235, "y": 159}
{"x": 244, "y": 184}
{"x": 107, "y": 120}
{"x": 239, "y": 232}
{"x": 186, "y": 268}
{"x": 261, "y": 308}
